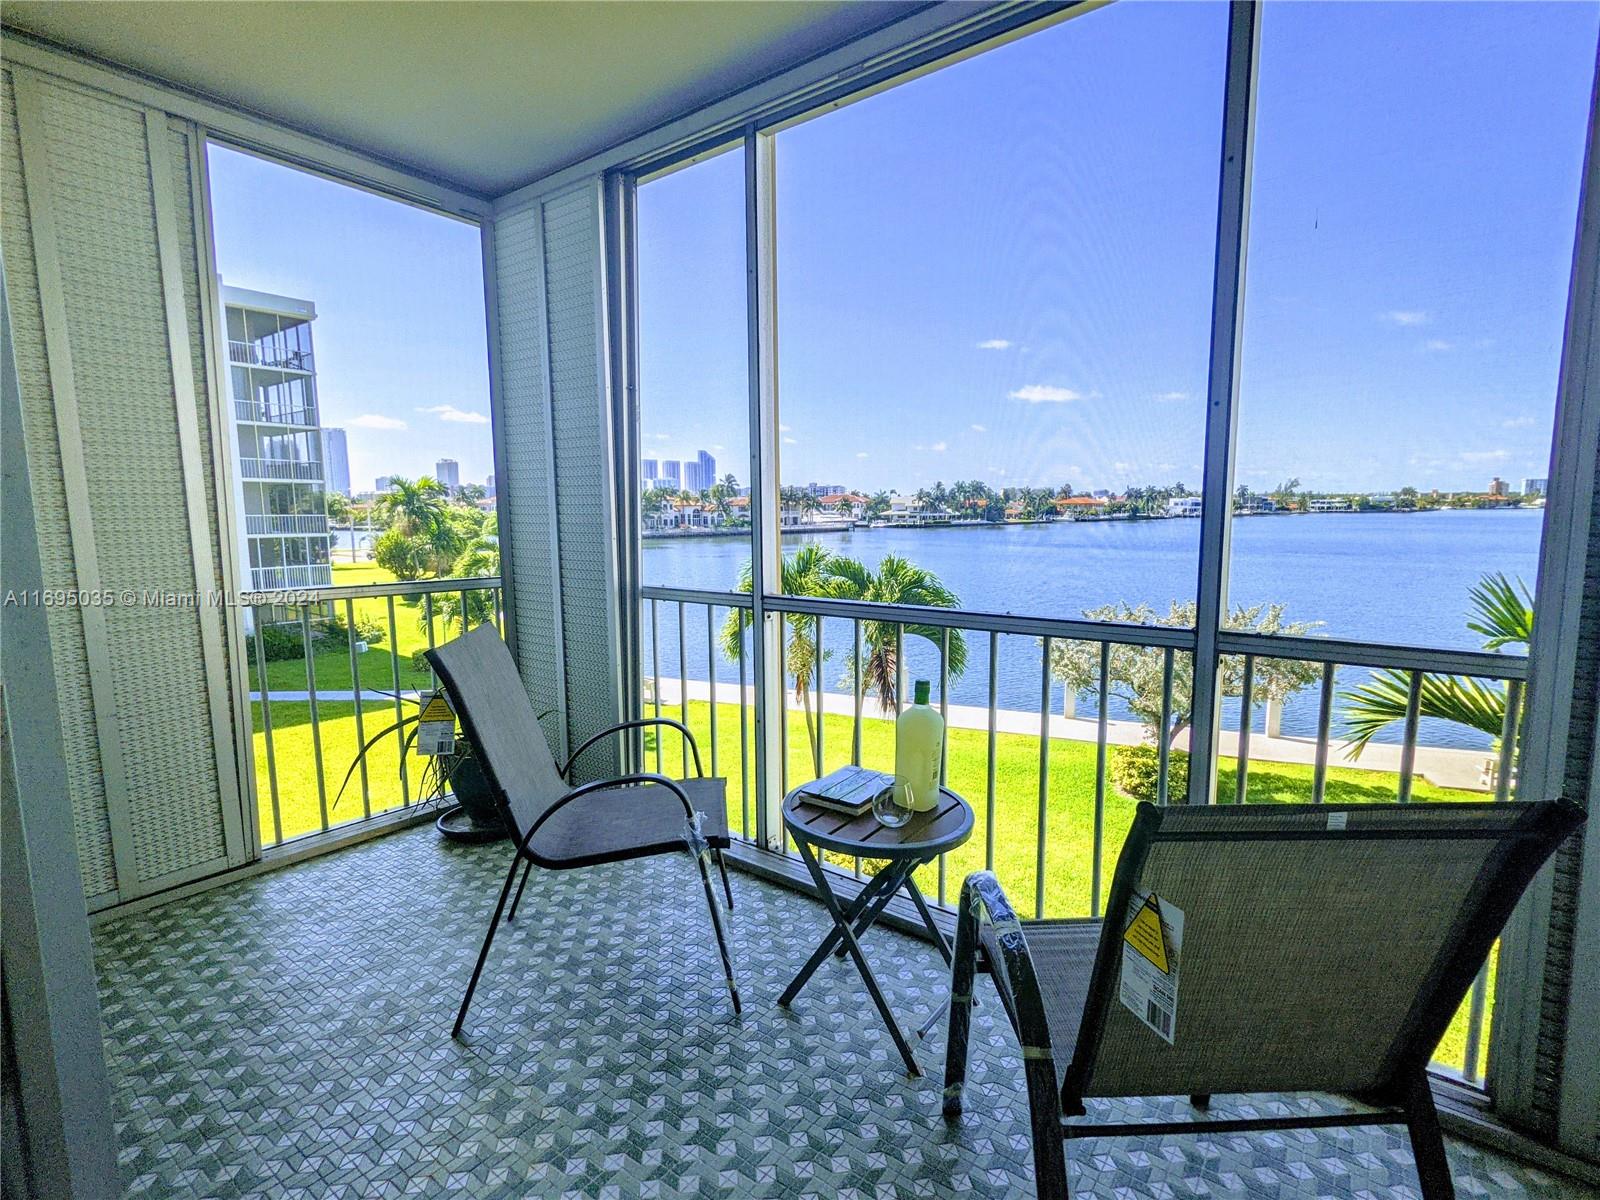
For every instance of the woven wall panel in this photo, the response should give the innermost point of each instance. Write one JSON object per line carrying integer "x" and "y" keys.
{"x": 524, "y": 493}
{"x": 89, "y": 820}
{"x": 572, "y": 258}
{"x": 111, "y": 283}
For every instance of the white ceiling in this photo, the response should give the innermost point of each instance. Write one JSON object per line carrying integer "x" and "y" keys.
{"x": 486, "y": 96}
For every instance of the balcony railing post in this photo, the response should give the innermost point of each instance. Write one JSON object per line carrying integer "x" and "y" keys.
{"x": 1319, "y": 777}
{"x": 356, "y": 689}
{"x": 316, "y": 724}
{"x": 1101, "y": 730}
{"x": 1241, "y": 786}
{"x": 711, "y": 680}
{"x": 1044, "y": 776}
{"x": 264, "y": 686}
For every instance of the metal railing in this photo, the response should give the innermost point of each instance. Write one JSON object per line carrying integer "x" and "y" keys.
{"x": 260, "y": 354}
{"x": 286, "y": 523}
{"x": 281, "y": 468}
{"x": 246, "y": 410}
{"x": 701, "y": 677}
{"x": 324, "y": 672}
{"x": 275, "y": 579}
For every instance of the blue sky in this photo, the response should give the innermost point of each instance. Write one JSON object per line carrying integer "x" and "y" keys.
{"x": 399, "y": 336}
{"x": 1003, "y": 270}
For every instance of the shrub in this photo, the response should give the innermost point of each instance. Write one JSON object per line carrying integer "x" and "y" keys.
{"x": 1135, "y": 772}
{"x": 334, "y": 636}
{"x": 403, "y": 557}
{"x": 278, "y": 643}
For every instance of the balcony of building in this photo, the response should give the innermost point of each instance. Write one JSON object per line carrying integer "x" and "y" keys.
{"x": 235, "y": 941}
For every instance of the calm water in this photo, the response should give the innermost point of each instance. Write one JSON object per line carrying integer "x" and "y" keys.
{"x": 1399, "y": 578}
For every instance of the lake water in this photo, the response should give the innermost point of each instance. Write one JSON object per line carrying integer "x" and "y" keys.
{"x": 1395, "y": 577}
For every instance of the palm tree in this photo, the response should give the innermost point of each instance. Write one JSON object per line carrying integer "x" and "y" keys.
{"x": 896, "y": 581}
{"x": 842, "y": 506}
{"x": 420, "y": 511}
{"x": 479, "y": 560}
{"x": 415, "y": 507}
{"x": 1503, "y": 615}
{"x": 800, "y": 574}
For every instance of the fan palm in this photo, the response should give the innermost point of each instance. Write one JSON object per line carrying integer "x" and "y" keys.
{"x": 1502, "y": 613}
{"x": 896, "y": 581}
{"x": 800, "y": 574}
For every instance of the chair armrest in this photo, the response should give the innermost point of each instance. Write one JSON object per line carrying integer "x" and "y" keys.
{"x": 566, "y": 767}
{"x": 998, "y": 933}
{"x": 601, "y": 785}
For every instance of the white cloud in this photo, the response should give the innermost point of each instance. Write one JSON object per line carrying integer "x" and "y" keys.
{"x": 938, "y": 447}
{"x": 659, "y": 437}
{"x": 978, "y": 429}
{"x": 1044, "y": 393}
{"x": 375, "y": 421}
{"x": 784, "y": 428}
{"x": 1484, "y": 456}
{"x": 1122, "y": 467}
{"x": 995, "y": 344}
{"x": 1519, "y": 423}
{"x": 1437, "y": 345}
{"x": 861, "y": 454}
{"x": 1172, "y": 396}
{"x": 788, "y": 441}
{"x": 1399, "y": 316}
{"x": 459, "y": 416}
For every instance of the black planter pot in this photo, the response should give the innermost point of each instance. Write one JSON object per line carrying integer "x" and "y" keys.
{"x": 476, "y": 817}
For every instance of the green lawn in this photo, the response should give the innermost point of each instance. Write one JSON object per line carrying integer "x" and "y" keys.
{"x": 377, "y": 665}
{"x": 1069, "y": 816}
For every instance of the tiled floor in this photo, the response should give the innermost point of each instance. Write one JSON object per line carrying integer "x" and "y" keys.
{"x": 289, "y": 1036}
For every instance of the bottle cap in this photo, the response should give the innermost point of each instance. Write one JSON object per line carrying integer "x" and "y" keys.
{"x": 920, "y": 696}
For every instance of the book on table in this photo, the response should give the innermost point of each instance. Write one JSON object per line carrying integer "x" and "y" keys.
{"x": 847, "y": 790}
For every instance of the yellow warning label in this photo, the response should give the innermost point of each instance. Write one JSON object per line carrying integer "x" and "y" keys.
{"x": 1144, "y": 935}
{"x": 438, "y": 709}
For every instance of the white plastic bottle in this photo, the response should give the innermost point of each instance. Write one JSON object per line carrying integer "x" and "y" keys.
{"x": 918, "y": 742}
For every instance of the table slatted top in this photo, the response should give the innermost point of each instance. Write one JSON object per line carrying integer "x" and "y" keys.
{"x": 941, "y": 828}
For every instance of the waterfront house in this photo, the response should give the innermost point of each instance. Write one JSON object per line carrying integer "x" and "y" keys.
{"x": 234, "y": 937}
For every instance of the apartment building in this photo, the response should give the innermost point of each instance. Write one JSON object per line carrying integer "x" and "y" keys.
{"x": 280, "y": 489}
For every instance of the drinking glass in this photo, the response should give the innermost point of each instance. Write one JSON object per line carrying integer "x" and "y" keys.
{"x": 888, "y": 809}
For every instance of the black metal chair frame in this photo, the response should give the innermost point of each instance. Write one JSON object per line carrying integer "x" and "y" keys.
{"x": 524, "y": 854}
{"x": 1407, "y": 1099}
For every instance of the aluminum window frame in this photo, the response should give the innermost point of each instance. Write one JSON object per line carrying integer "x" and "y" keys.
{"x": 1517, "y": 997}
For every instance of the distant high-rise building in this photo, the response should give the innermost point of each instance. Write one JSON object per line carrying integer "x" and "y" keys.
{"x": 708, "y": 471}
{"x": 825, "y": 489}
{"x": 1535, "y": 487}
{"x": 1498, "y": 486}
{"x": 488, "y": 485}
{"x": 448, "y": 472}
{"x": 336, "y": 461}
{"x": 278, "y": 445}
{"x": 671, "y": 476}
{"x": 382, "y": 484}
{"x": 650, "y": 469}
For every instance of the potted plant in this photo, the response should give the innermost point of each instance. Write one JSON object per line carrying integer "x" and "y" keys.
{"x": 474, "y": 817}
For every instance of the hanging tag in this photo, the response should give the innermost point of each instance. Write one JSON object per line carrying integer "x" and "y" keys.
{"x": 436, "y": 731}
{"x": 1151, "y": 945}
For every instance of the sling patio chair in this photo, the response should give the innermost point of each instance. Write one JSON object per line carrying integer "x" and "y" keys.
{"x": 1251, "y": 949}
{"x": 556, "y": 825}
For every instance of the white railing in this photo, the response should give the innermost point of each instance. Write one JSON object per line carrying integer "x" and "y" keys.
{"x": 281, "y": 468}
{"x": 286, "y": 523}
{"x": 835, "y": 630}
{"x": 354, "y": 673}
{"x": 245, "y": 410}
{"x": 276, "y": 579}
{"x": 255, "y": 354}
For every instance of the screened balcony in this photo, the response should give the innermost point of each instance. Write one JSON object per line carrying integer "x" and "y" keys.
{"x": 829, "y": 236}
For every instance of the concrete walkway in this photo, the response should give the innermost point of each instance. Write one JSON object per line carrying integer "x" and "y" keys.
{"x": 1442, "y": 766}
